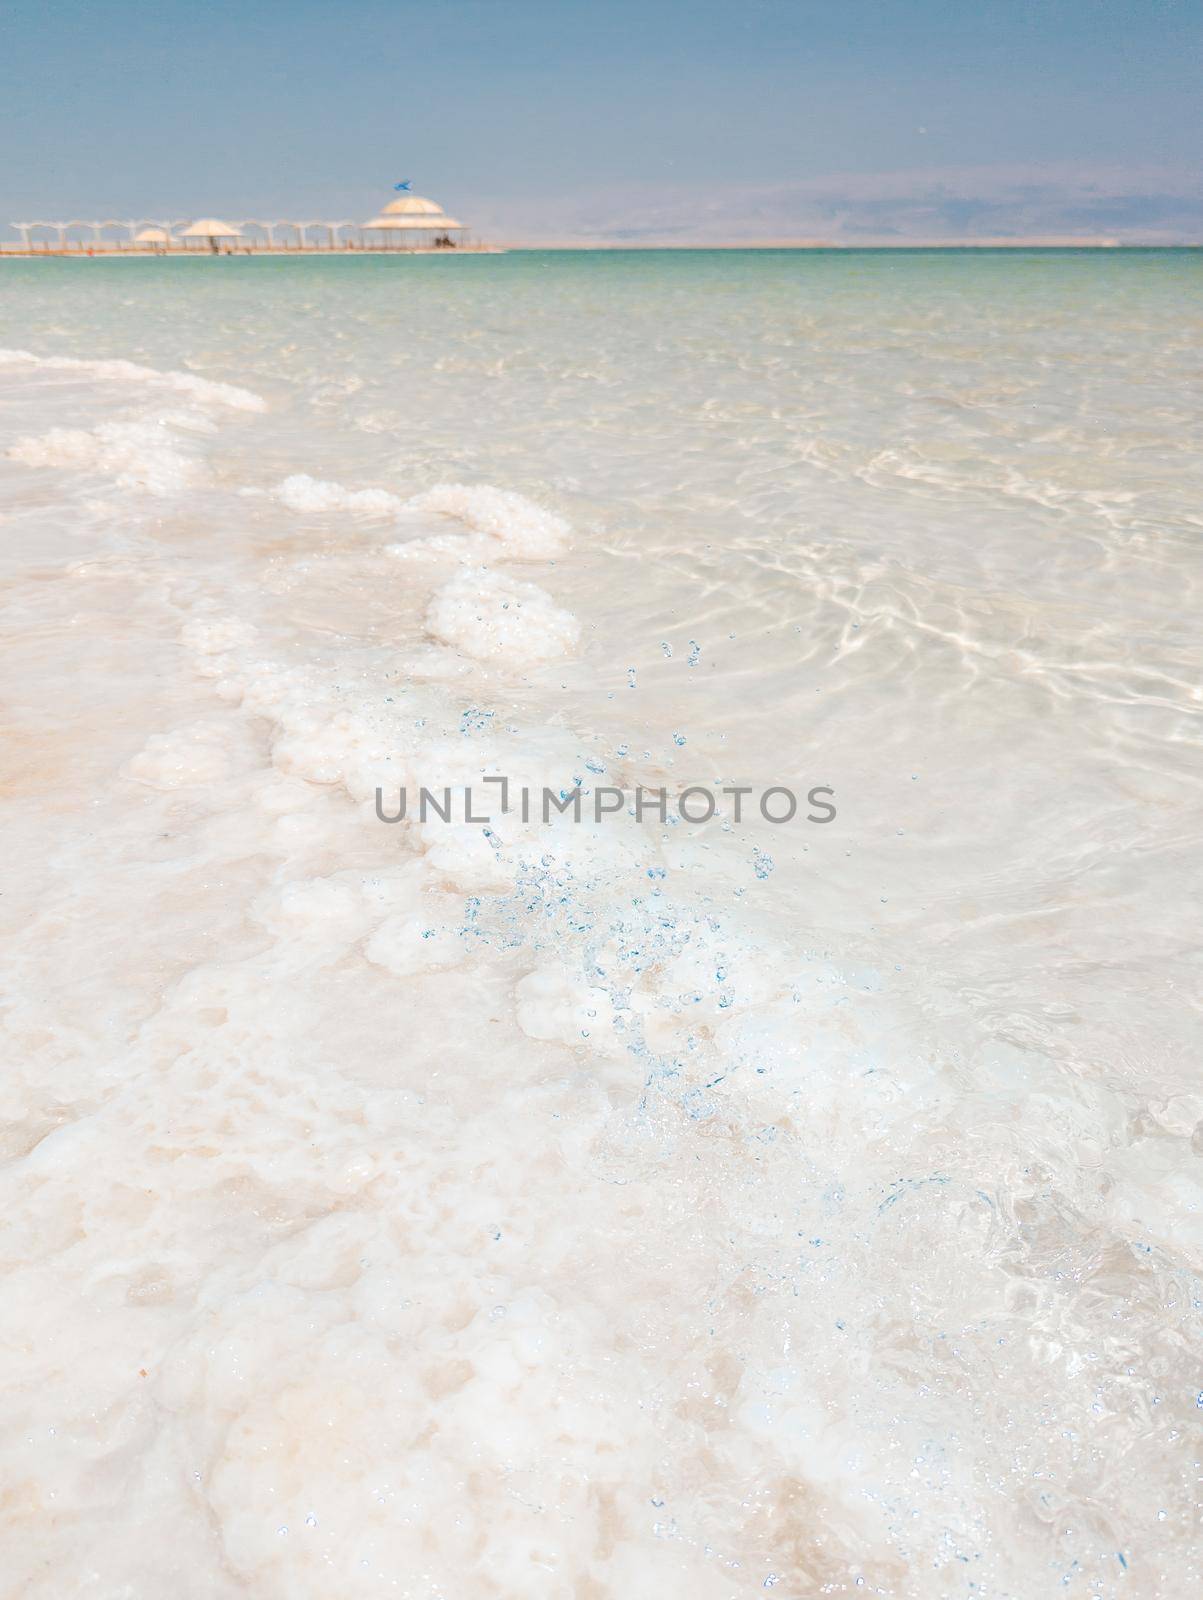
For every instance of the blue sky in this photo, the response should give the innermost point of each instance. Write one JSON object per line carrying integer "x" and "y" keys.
{"x": 618, "y": 118}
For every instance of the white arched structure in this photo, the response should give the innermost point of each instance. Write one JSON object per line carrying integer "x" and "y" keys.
{"x": 127, "y": 227}
{"x": 169, "y": 225}
{"x": 57, "y": 227}
{"x": 64, "y": 230}
{"x": 263, "y": 227}
{"x": 286, "y": 225}
{"x": 408, "y": 222}
{"x": 26, "y": 228}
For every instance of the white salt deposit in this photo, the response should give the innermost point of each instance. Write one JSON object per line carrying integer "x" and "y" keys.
{"x": 300, "y": 492}
{"x": 493, "y": 617}
{"x": 186, "y": 383}
{"x": 136, "y": 455}
{"x": 624, "y": 1208}
{"x": 199, "y": 754}
{"x": 519, "y": 527}
{"x": 414, "y": 943}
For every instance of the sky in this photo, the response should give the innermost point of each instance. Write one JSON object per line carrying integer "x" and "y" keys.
{"x": 616, "y": 120}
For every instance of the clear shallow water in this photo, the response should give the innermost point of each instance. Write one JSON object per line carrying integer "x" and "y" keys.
{"x": 619, "y": 1210}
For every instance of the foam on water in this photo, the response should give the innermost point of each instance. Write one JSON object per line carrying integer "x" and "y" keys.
{"x": 624, "y": 1207}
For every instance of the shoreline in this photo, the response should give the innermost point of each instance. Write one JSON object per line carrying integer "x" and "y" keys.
{"x": 119, "y": 253}
{"x": 838, "y": 245}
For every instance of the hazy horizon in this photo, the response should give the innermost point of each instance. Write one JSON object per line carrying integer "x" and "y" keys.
{"x": 540, "y": 121}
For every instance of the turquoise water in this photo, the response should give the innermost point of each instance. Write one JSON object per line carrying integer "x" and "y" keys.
{"x": 687, "y": 1207}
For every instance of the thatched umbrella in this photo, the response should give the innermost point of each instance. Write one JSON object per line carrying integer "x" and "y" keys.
{"x": 213, "y": 229}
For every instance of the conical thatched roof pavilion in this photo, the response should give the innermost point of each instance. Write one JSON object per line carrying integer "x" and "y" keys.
{"x": 409, "y": 217}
